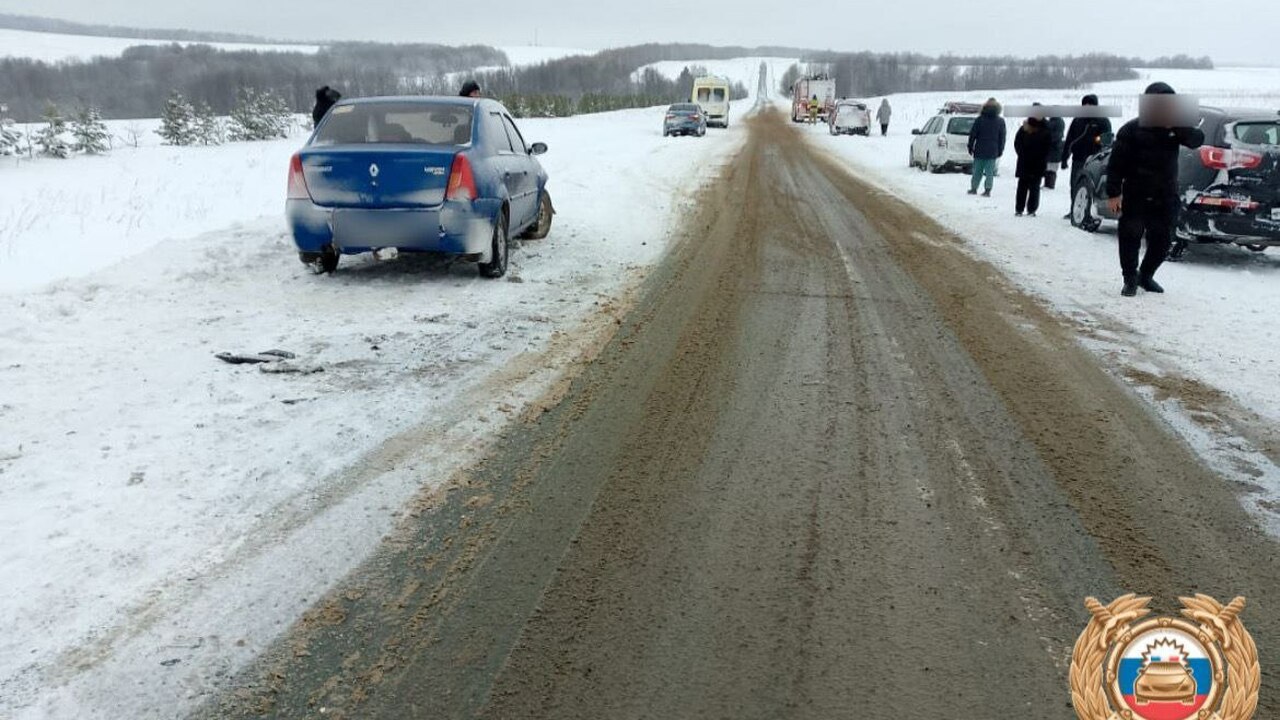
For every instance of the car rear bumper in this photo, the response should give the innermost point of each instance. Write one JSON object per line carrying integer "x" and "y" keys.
{"x": 463, "y": 228}
{"x": 1231, "y": 227}
{"x": 683, "y": 127}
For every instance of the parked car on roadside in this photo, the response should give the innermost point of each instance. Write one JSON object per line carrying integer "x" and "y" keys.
{"x": 942, "y": 144}
{"x": 419, "y": 174}
{"x": 685, "y": 119}
{"x": 1229, "y": 187}
{"x": 850, "y": 117}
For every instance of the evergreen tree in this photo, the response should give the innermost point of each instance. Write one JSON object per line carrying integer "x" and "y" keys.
{"x": 51, "y": 141}
{"x": 208, "y": 128}
{"x": 259, "y": 116}
{"x": 10, "y": 138}
{"x": 178, "y": 121}
{"x": 90, "y": 132}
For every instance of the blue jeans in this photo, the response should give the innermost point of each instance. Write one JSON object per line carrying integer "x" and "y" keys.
{"x": 984, "y": 168}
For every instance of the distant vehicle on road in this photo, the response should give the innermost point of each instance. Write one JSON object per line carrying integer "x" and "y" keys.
{"x": 684, "y": 119}
{"x": 712, "y": 95}
{"x": 805, "y": 89}
{"x": 1229, "y": 187}
{"x": 420, "y": 174}
{"x": 850, "y": 117}
{"x": 943, "y": 143}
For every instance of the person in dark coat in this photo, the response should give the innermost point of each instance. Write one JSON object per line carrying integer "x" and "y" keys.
{"x": 1032, "y": 143}
{"x": 326, "y": 98}
{"x": 1142, "y": 187}
{"x": 1056, "y": 126}
{"x": 470, "y": 89}
{"x": 986, "y": 145}
{"x": 1084, "y": 140}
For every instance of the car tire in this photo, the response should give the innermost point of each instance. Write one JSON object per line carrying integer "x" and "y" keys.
{"x": 911, "y": 159}
{"x": 324, "y": 262}
{"x": 500, "y": 250}
{"x": 1082, "y": 208}
{"x": 1178, "y": 249}
{"x": 929, "y": 167}
{"x": 542, "y": 226}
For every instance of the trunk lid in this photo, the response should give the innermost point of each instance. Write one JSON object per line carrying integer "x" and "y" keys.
{"x": 377, "y": 176}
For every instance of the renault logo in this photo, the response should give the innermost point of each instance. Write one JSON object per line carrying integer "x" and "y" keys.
{"x": 373, "y": 170}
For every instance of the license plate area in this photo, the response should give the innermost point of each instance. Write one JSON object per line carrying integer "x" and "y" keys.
{"x": 380, "y": 228}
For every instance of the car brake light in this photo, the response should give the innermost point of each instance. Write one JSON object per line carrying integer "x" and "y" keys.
{"x": 1217, "y": 158}
{"x": 670, "y": 116}
{"x": 1226, "y": 203}
{"x": 297, "y": 180}
{"x": 462, "y": 183}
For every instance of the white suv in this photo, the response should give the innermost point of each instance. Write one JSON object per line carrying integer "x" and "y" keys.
{"x": 943, "y": 143}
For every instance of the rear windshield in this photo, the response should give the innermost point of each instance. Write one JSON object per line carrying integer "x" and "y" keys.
{"x": 687, "y": 107}
{"x": 1257, "y": 133}
{"x": 960, "y": 126}
{"x": 709, "y": 94}
{"x": 412, "y": 123}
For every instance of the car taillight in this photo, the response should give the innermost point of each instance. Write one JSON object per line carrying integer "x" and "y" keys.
{"x": 1226, "y": 203}
{"x": 942, "y": 141}
{"x": 670, "y": 116}
{"x": 1217, "y": 158}
{"x": 462, "y": 183}
{"x": 297, "y": 180}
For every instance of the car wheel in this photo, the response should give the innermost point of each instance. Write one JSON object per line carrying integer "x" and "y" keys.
{"x": 1082, "y": 208}
{"x": 928, "y": 164}
{"x": 500, "y": 250}
{"x": 911, "y": 158}
{"x": 1178, "y": 249}
{"x": 542, "y": 227}
{"x": 323, "y": 262}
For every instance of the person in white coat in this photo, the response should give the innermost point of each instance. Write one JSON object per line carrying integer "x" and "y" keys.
{"x": 882, "y": 116}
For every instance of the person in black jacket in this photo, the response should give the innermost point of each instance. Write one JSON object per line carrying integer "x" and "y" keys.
{"x": 326, "y": 98}
{"x": 1142, "y": 187}
{"x": 1056, "y": 127}
{"x": 1084, "y": 140}
{"x": 1032, "y": 143}
{"x": 470, "y": 89}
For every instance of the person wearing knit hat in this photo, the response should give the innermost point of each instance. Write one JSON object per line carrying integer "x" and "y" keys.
{"x": 470, "y": 89}
{"x": 1142, "y": 188}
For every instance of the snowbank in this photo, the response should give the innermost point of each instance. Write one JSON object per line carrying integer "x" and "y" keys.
{"x": 167, "y": 514}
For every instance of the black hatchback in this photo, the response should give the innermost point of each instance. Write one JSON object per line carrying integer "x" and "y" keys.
{"x": 1230, "y": 186}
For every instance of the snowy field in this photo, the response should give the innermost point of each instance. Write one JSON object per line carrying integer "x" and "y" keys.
{"x": 1218, "y": 323}
{"x": 56, "y": 47}
{"x": 167, "y": 514}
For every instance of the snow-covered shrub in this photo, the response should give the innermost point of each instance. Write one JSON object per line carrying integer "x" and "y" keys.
{"x": 209, "y": 129}
{"x": 51, "y": 140}
{"x": 259, "y": 116}
{"x": 178, "y": 121}
{"x": 10, "y": 138}
{"x": 90, "y": 133}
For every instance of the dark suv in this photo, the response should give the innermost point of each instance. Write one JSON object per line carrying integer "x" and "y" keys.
{"x": 1230, "y": 187}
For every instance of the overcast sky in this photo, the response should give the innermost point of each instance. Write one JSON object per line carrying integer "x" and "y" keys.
{"x": 1239, "y": 30}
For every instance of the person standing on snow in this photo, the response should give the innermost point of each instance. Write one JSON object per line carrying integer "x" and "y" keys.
{"x": 326, "y": 98}
{"x": 883, "y": 115}
{"x": 470, "y": 89}
{"x": 1142, "y": 187}
{"x": 1084, "y": 140}
{"x": 986, "y": 145}
{"x": 814, "y": 106}
{"x": 1033, "y": 143}
{"x": 1055, "y": 126}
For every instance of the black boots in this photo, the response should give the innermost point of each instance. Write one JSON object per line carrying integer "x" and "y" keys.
{"x": 1133, "y": 282}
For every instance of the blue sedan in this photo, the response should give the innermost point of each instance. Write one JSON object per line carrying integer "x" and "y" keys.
{"x": 419, "y": 174}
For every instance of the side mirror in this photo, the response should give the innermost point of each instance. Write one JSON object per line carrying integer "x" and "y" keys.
{"x": 538, "y": 148}
{"x": 915, "y": 131}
